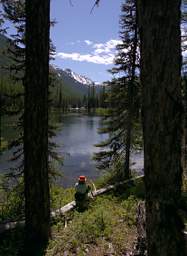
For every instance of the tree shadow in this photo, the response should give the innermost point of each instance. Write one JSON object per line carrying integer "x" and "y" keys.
{"x": 12, "y": 243}
{"x": 135, "y": 188}
{"x": 33, "y": 249}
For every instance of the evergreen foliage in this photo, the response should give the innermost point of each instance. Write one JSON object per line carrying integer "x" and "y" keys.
{"x": 13, "y": 74}
{"x": 12, "y": 82}
{"x": 123, "y": 95}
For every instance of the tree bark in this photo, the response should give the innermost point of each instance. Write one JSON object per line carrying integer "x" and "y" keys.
{"x": 184, "y": 140}
{"x": 130, "y": 95}
{"x": 159, "y": 24}
{"x": 37, "y": 203}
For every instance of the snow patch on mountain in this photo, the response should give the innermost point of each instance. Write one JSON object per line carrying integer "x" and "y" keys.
{"x": 79, "y": 78}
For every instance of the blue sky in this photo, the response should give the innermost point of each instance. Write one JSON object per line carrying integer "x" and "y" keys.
{"x": 85, "y": 42}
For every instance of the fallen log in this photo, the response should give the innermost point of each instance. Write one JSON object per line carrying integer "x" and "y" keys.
{"x": 68, "y": 207}
{"x": 111, "y": 187}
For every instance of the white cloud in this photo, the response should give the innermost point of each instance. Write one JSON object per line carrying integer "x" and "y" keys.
{"x": 103, "y": 59}
{"x": 106, "y": 47}
{"x": 88, "y": 42}
{"x": 74, "y": 43}
{"x": 101, "y": 53}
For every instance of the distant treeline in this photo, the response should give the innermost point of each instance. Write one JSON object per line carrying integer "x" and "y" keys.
{"x": 12, "y": 96}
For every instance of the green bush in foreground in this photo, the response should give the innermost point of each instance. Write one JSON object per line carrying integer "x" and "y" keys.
{"x": 11, "y": 200}
{"x": 107, "y": 220}
{"x": 61, "y": 196}
{"x": 108, "y": 224}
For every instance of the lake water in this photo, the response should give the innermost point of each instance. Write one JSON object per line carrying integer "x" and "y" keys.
{"x": 75, "y": 137}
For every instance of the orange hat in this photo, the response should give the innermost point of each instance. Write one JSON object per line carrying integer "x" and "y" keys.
{"x": 82, "y": 178}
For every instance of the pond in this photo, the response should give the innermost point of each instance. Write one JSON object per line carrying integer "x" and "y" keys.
{"x": 76, "y": 135}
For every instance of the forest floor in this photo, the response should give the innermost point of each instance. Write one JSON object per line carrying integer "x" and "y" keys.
{"x": 108, "y": 227}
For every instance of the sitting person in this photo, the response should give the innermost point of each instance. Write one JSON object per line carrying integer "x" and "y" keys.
{"x": 81, "y": 193}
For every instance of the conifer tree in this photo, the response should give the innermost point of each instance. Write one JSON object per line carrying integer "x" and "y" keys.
{"x": 159, "y": 21}
{"x": 184, "y": 83}
{"x": 37, "y": 207}
{"x": 2, "y": 29}
{"x": 14, "y": 12}
{"x": 126, "y": 62}
{"x": 124, "y": 92}
{"x": 37, "y": 203}
{"x": 184, "y": 137}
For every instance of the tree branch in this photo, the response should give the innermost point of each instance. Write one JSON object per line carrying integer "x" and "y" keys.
{"x": 95, "y": 4}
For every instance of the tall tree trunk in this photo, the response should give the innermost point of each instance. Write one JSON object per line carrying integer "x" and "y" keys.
{"x": 184, "y": 144}
{"x": 159, "y": 23}
{"x": 37, "y": 203}
{"x": 130, "y": 96}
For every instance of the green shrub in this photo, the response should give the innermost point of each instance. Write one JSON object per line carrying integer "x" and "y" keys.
{"x": 93, "y": 224}
{"x": 101, "y": 111}
{"x": 3, "y": 144}
{"x": 61, "y": 196}
{"x": 130, "y": 206}
{"x": 12, "y": 202}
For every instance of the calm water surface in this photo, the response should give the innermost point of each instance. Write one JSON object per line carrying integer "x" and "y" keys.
{"x": 75, "y": 137}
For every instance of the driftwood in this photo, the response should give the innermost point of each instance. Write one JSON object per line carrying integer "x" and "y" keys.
{"x": 68, "y": 207}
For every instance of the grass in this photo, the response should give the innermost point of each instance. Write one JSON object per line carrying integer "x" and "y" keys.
{"x": 3, "y": 144}
{"x": 61, "y": 196}
{"x": 108, "y": 226}
{"x": 101, "y": 111}
{"x": 11, "y": 201}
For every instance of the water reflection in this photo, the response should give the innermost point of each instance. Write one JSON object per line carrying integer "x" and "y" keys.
{"x": 75, "y": 137}
{"x": 75, "y": 140}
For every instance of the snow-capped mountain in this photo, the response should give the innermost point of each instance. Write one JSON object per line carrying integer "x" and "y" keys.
{"x": 73, "y": 82}
{"x": 76, "y": 77}
{"x": 79, "y": 78}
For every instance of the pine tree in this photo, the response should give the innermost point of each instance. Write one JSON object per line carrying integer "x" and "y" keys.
{"x": 14, "y": 12}
{"x": 2, "y": 21}
{"x": 126, "y": 62}
{"x": 159, "y": 21}
{"x": 184, "y": 137}
{"x": 37, "y": 203}
{"x": 124, "y": 92}
{"x": 184, "y": 84}
{"x": 102, "y": 97}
